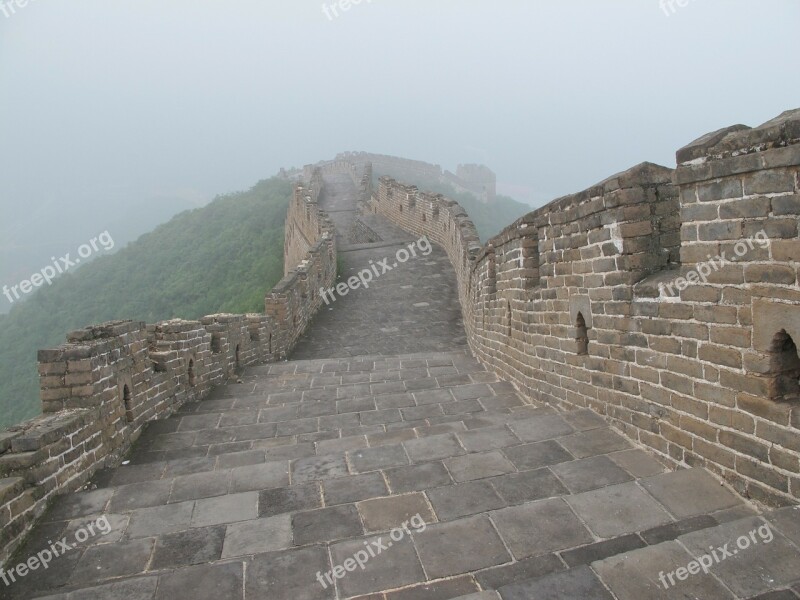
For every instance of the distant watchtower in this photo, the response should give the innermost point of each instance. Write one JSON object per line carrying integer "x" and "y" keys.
{"x": 481, "y": 179}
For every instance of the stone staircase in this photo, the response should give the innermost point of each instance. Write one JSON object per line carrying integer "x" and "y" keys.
{"x": 285, "y": 476}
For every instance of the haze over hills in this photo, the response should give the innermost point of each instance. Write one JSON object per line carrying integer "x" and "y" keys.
{"x": 223, "y": 257}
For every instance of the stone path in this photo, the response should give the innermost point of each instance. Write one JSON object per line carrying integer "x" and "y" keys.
{"x": 421, "y": 466}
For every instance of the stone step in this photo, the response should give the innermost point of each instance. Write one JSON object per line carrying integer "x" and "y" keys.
{"x": 733, "y": 559}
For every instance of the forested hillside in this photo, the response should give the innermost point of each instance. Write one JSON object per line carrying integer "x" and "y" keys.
{"x": 220, "y": 258}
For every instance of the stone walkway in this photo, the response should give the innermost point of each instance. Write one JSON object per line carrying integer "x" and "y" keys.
{"x": 421, "y": 466}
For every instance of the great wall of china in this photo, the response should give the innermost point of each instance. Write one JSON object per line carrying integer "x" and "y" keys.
{"x": 571, "y": 303}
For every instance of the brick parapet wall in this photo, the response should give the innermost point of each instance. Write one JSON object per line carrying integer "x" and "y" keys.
{"x": 101, "y": 388}
{"x": 571, "y": 302}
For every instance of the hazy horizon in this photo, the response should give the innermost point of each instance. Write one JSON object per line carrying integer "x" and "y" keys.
{"x": 118, "y": 115}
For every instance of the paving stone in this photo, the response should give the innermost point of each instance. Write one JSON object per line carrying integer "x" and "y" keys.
{"x": 188, "y": 466}
{"x": 318, "y": 468}
{"x": 125, "y": 475}
{"x": 383, "y": 514}
{"x": 433, "y": 396}
{"x": 258, "y": 536}
{"x": 107, "y": 561}
{"x": 316, "y": 409}
{"x": 490, "y": 438}
{"x": 590, "y": 473}
{"x": 97, "y": 529}
{"x": 259, "y": 477}
{"x": 435, "y": 447}
{"x": 690, "y": 492}
{"x": 225, "y": 509}
{"x": 475, "y": 390}
{"x": 191, "y": 547}
{"x": 540, "y": 528}
{"x": 529, "y": 568}
{"x": 418, "y": 477}
{"x": 761, "y": 562}
{"x": 787, "y": 521}
{"x": 635, "y": 575}
{"x": 459, "y": 547}
{"x": 290, "y": 499}
{"x": 586, "y": 555}
{"x": 339, "y": 445}
{"x": 440, "y": 428}
{"x": 381, "y": 417}
{"x": 203, "y": 582}
{"x": 594, "y": 442}
{"x": 462, "y": 407}
{"x": 356, "y": 405}
{"x": 528, "y": 486}
{"x": 200, "y": 485}
{"x": 293, "y": 452}
{"x": 638, "y": 463}
{"x": 478, "y": 466}
{"x": 422, "y": 412}
{"x": 403, "y": 400}
{"x": 538, "y": 455}
{"x": 440, "y": 590}
{"x": 618, "y": 509}
{"x": 481, "y": 596}
{"x": 140, "y": 495}
{"x": 240, "y": 459}
{"x": 147, "y": 522}
{"x": 395, "y": 567}
{"x": 326, "y": 524}
{"x": 584, "y": 419}
{"x": 373, "y": 459}
{"x": 502, "y": 401}
{"x": 354, "y": 488}
{"x": 79, "y": 505}
{"x": 541, "y": 428}
{"x": 575, "y": 583}
{"x": 140, "y": 588}
{"x": 671, "y": 531}
{"x": 391, "y": 437}
{"x": 455, "y": 501}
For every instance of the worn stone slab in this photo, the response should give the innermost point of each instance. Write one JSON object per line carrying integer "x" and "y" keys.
{"x": 416, "y": 478}
{"x": 290, "y": 499}
{"x": 139, "y": 588}
{"x": 541, "y": 428}
{"x": 590, "y": 473}
{"x": 540, "y": 528}
{"x": 319, "y": 468}
{"x": 523, "y": 570}
{"x": 394, "y": 567}
{"x": 479, "y": 466}
{"x": 490, "y": 438}
{"x": 618, "y": 510}
{"x": 204, "y": 582}
{"x": 456, "y": 501}
{"x": 258, "y": 536}
{"x": 576, "y": 583}
{"x": 383, "y": 514}
{"x": 690, "y": 492}
{"x": 373, "y": 459}
{"x": 225, "y": 509}
{"x": 535, "y": 456}
{"x": 435, "y": 447}
{"x": 440, "y": 590}
{"x": 354, "y": 488}
{"x": 326, "y": 525}
{"x": 635, "y": 575}
{"x": 517, "y": 488}
{"x": 594, "y": 442}
{"x": 107, "y": 561}
{"x": 762, "y": 558}
{"x": 460, "y": 546}
{"x": 191, "y": 547}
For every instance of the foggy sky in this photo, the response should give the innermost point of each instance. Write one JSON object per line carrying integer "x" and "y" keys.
{"x": 109, "y": 108}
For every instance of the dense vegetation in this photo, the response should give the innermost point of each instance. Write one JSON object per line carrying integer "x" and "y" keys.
{"x": 220, "y": 258}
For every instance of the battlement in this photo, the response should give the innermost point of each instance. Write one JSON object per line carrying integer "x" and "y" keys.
{"x": 666, "y": 300}
{"x": 102, "y": 386}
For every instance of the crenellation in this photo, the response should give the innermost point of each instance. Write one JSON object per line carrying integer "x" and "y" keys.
{"x": 696, "y": 374}
{"x": 101, "y": 388}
